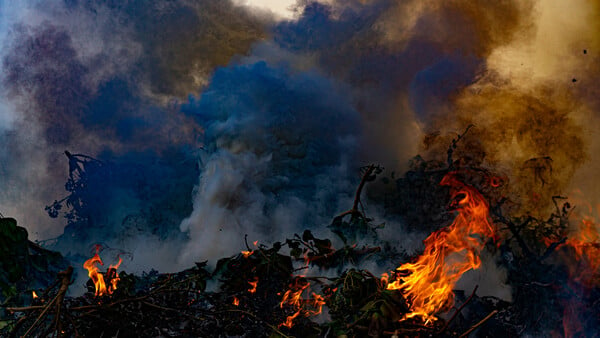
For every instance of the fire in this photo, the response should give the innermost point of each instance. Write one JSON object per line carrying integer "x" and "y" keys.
{"x": 247, "y": 254}
{"x": 585, "y": 242}
{"x": 449, "y": 253}
{"x": 236, "y": 301}
{"x": 34, "y": 294}
{"x": 98, "y": 278}
{"x": 254, "y": 285}
{"x": 113, "y": 276}
{"x": 302, "y": 307}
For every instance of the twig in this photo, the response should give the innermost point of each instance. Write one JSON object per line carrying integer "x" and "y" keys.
{"x": 552, "y": 247}
{"x": 65, "y": 277}
{"x": 453, "y": 146}
{"x": 458, "y": 310}
{"x": 26, "y": 308}
{"x": 354, "y": 211}
{"x": 481, "y": 322}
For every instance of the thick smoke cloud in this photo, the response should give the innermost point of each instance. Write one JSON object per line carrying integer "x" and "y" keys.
{"x": 97, "y": 78}
{"x": 281, "y": 149}
{"x": 259, "y": 126}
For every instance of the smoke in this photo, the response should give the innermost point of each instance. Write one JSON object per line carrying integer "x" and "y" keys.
{"x": 100, "y": 78}
{"x": 280, "y": 154}
{"x": 213, "y": 120}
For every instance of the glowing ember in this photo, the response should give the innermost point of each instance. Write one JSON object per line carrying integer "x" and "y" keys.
{"x": 34, "y": 294}
{"x": 254, "y": 285}
{"x": 302, "y": 307}
{"x": 449, "y": 253}
{"x": 247, "y": 253}
{"x": 98, "y": 278}
{"x": 236, "y": 301}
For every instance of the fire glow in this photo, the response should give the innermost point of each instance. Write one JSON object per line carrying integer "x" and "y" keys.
{"x": 253, "y": 285}
{"x": 449, "y": 253}
{"x": 301, "y": 306}
{"x": 98, "y": 278}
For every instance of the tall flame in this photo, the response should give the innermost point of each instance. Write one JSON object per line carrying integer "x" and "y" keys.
{"x": 93, "y": 273}
{"x": 449, "y": 253}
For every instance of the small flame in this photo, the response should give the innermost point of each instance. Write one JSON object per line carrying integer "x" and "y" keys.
{"x": 449, "y": 253}
{"x": 95, "y": 276}
{"x": 254, "y": 285}
{"x": 236, "y": 301}
{"x": 247, "y": 253}
{"x": 255, "y": 243}
{"x": 293, "y": 298}
{"x": 34, "y": 294}
{"x": 385, "y": 277}
{"x": 98, "y": 278}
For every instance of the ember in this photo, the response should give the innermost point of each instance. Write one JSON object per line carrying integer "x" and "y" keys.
{"x": 254, "y": 285}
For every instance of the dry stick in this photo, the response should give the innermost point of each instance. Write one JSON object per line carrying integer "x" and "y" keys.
{"x": 458, "y": 310}
{"x": 66, "y": 275}
{"x": 479, "y": 324}
{"x": 26, "y": 308}
{"x": 64, "y": 286}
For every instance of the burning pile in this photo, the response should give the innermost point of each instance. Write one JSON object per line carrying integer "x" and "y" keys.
{"x": 261, "y": 293}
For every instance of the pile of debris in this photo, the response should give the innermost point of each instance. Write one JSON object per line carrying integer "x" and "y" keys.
{"x": 273, "y": 291}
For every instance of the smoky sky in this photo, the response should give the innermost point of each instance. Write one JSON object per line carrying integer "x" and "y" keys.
{"x": 254, "y": 125}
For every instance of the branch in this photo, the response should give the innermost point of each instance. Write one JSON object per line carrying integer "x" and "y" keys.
{"x": 481, "y": 322}
{"x": 65, "y": 281}
{"x": 453, "y": 146}
{"x": 367, "y": 175}
{"x": 458, "y": 310}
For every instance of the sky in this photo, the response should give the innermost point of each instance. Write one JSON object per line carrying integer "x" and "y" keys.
{"x": 212, "y": 119}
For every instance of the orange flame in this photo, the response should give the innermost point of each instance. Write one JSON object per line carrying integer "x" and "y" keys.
{"x": 93, "y": 273}
{"x": 255, "y": 243}
{"x": 98, "y": 278}
{"x": 236, "y": 301}
{"x": 34, "y": 294}
{"x": 254, "y": 285}
{"x": 586, "y": 242}
{"x": 302, "y": 307}
{"x": 449, "y": 253}
{"x": 114, "y": 277}
{"x": 247, "y": 253}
